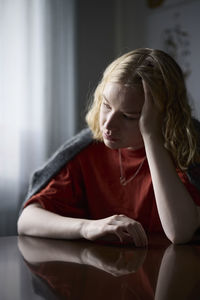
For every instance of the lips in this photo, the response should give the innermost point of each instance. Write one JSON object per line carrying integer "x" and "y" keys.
{"x": 109, "y": 137}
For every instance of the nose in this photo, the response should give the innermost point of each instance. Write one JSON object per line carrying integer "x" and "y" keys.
{"x": 111, "y": 122}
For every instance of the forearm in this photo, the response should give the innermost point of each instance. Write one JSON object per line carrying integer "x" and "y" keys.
{"x": 178, "y": 213}
{"x": 36, "y": 221}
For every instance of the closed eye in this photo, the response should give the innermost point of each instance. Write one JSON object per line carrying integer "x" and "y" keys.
{"x": 129, "y": 117}
{"x": 106, "y": 105}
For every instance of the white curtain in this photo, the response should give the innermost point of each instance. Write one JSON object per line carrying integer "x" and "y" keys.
{"x": 37, "y": 92}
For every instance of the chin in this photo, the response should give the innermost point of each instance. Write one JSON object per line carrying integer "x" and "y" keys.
{"x": 136, "y": 147}
{"x": 111, "y": 145}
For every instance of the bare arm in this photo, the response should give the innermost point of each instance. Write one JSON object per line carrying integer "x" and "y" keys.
{"x": 36, "y": 221}
{"x": 178, "y": 213}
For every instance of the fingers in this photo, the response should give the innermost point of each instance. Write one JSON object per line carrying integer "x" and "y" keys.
{"x": 147, "y": 92}
{"x": 151, "y": 119}
{"x": 128, "y": 231}
{"x": 148, "y": 98}
{"x": 144, "y": 87}
{"x": 122, "y": 227}
{"x": 138, "y": 234}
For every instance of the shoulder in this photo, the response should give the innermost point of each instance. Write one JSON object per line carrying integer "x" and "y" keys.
{"x": 59, "y": 159}
{"x": 75, "y": 144}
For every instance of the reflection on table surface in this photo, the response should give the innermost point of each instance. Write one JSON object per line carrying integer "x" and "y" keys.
{"x": 58, "y": 269}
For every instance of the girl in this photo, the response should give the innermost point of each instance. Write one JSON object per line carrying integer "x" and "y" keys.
{"x": 138, "y": 171}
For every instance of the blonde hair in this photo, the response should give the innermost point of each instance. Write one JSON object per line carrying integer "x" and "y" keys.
{"x": 166, "y": 83}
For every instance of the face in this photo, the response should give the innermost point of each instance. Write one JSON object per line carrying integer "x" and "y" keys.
{"x": 119, "y": 116}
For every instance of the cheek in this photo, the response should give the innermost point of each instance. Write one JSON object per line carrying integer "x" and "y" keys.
{"x": 133, "y": 129}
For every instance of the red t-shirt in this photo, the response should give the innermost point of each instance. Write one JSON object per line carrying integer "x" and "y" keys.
{"x": 89, "y": 187}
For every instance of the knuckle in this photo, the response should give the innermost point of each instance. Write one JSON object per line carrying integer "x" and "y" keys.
{"x": 114, "y": 217}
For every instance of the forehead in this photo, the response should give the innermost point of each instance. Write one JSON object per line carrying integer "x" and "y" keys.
{"x": 124, "y": 97}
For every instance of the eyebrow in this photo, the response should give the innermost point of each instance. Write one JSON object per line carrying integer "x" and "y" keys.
{"x": 125, "y": 112}
{"x": 105, "y": 98}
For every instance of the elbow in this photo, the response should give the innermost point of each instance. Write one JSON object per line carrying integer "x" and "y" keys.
{"x": 183, "y": 233}
{"x": 23, "y": 224}
{"x": 182, "y": 237}
{"x": 20, "y": 227}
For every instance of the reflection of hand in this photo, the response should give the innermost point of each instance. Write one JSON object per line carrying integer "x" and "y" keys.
{"x": 125, "y": 229}
{"x": 114, "y": 260}
{"x": 179, "y": 273}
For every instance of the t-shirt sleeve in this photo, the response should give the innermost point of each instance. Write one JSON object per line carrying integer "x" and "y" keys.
{"x": 192, "y": 189}
{"x": 64, "y": 194}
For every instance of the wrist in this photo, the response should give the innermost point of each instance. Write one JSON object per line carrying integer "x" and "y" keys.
{"x": 153, "y": 138}
{"x": 84, "y": 229}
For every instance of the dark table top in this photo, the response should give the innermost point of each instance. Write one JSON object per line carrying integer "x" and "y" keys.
{"x": 34, "y": 268}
